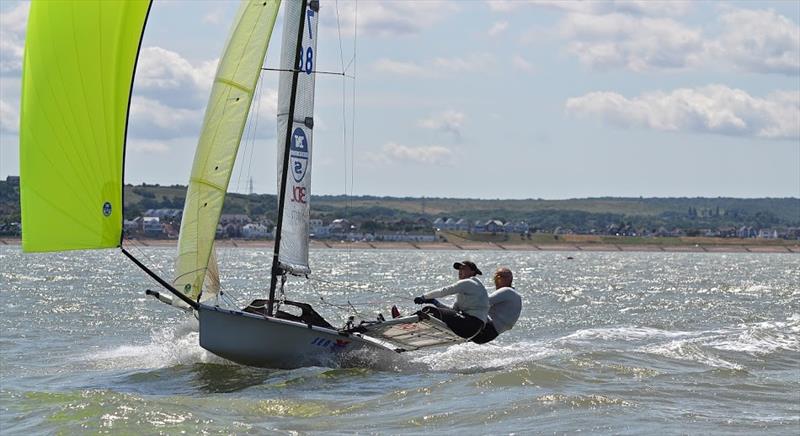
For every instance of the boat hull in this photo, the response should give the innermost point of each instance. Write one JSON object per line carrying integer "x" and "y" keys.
{"x": 255, "y": 340}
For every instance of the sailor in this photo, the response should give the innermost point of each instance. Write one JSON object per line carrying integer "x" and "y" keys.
{"x": 505, "y": 305}
{"x": 469, "y": 313}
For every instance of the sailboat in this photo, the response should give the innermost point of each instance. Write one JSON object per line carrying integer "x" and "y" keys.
{"x": 77, "y": 82}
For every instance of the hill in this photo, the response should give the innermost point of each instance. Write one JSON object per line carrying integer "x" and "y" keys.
{"x": 580, "y": 215}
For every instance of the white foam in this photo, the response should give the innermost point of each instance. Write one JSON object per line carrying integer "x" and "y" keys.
{"x": 174, "y": 345}
{"x": 473, "y": 356}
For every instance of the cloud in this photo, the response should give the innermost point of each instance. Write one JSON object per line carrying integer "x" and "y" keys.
{"x": 497, "y": 28}
{"x": 138, "y": 145}
{"x": 162, "y": 70}
{"x": 639, "y": 36}
{"x": 633, "y": 7}
{"x": 400, "y": 68}
{"x": 9, "y": 118}
{"x": 449, "y": 121}
{"x": 711, "y": 109}
{"x": 437, "y": 67}
{"x": 382, "y": 19}
{"x": 154, "y": 119}
{"x": 12, "y": 38}
{"x": 426, "y": 155}
{"x": 476, "y": 62}
{"x": 760, "y": 41}
{"x": 522, "y": 64}
{"x": 638, "y": 44}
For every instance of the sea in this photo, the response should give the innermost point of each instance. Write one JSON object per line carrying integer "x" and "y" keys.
{"x": 607, "y": 343}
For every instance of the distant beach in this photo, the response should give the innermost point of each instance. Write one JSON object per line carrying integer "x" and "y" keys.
{"x": 699, "y": 245}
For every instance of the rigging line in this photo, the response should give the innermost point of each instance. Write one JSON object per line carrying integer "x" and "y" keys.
{"x": 259, "y": 90}
{"x": 293, "y": 70}
{"x": 135, "y": 245}
{"x": 353, "y": 115}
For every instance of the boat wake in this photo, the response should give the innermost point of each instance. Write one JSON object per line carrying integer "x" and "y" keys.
{"x": 169, "y": 346}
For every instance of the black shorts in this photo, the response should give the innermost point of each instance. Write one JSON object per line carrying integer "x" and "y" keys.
{"x": 486, "y": 335}
{"x": 460, "y": 323}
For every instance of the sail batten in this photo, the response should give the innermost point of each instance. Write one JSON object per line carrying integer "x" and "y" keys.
{"x": 223, "y": 125}
{"x": 76, "y": 84}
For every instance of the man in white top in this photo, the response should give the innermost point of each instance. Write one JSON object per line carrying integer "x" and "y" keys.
{"x": 505, "y": 305}
{"x": 470, "y": 310}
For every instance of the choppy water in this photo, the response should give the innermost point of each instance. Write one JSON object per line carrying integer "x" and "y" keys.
{"x": 623, "y": 343}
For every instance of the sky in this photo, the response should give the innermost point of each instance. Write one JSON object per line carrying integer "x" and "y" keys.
{"x": 484, "y": 99}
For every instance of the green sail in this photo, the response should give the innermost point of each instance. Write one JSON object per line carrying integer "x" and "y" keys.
{"x": 225, "y": 118}
{"x": 80, "y": 57}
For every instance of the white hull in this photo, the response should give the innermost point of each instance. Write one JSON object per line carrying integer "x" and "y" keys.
{"x": 255, "y": 340}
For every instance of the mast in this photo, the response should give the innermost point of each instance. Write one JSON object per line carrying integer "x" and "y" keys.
{"x": 276, "y": 268}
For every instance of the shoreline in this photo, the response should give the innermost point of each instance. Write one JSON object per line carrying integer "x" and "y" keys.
{"x": 571, "y": 246}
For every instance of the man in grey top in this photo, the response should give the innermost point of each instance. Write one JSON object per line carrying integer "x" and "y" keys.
{"x": 505, "y": 307}
{"x": 469, "y": 313}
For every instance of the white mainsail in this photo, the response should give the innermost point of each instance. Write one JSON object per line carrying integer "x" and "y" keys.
{"x": 293, "y": 254}
{"x": 226, "y": 114}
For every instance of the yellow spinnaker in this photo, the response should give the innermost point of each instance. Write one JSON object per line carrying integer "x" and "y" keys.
{"x": 226, "y": 114}
{"x": 78, "y": 68}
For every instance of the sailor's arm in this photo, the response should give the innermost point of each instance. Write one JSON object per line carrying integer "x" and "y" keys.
{"x": 445, "y": 291}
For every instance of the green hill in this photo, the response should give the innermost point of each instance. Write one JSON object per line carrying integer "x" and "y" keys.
{"x": 576, "y": 214}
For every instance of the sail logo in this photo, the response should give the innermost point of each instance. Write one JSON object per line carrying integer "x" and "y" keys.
{"x": 107, "y": 209}
{"x": 298, "y": 152}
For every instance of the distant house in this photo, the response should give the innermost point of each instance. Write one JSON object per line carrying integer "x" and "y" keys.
{"x": 151, "y": 226}
{"x": 768, "y": 234}
{"x": 340, "y": 225}
{"x": 164, "y": 213}
{"x": 317, "y": 229}
{"x": 232, "y": 218}
{"x": 746, "y": 232}
{"x": 256, "y": 231}
{"x": 12, "y": 180}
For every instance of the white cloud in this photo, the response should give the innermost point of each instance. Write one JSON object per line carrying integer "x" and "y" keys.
{"x": 449, "y": 121}
{"x": 9, "y": 118}
{"x": 400, "y": 68}
{"x": 154, "y": 119}
{"x": 710, "y": 109}
{"x": 760, "y": 41}
{"x": 161, "y": 69}
{"x": 522, "y": 64}
{"x": 497, "y": 28}
{"x": 637, "y": 37}
{"x": 147, "y": 146}
{"x": 213, "y": 17}
{"x": 475, "y": 62}
{"x": 12, "y": 38}
{"x": 428, "y": 155}
{"x": 438, "y": 67}
{"x": 653, "y": 8}
{"x": 395, "y": 18}
{"x": 638, "y": 44}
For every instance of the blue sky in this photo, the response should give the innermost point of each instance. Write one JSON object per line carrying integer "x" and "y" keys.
{"x": 487, "y": 99}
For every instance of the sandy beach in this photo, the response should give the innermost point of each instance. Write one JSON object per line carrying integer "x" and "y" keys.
{"x": 700, "y": 245}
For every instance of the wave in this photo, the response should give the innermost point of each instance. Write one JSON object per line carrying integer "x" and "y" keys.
{"x": 170, "y": 346}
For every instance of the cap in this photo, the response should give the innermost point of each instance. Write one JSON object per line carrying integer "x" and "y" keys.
{"x": 469, "y": 264}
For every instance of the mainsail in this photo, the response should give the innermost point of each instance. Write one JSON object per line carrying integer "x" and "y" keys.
{"x": 293, "y": 254}
{"x": 226, "y": 114}
{"x": 76, "y": 86}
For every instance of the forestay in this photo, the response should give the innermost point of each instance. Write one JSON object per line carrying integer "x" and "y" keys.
{"x": 293, "y": 254}
{"x": 76, "y": 86}
{"x": 226, "y": 114}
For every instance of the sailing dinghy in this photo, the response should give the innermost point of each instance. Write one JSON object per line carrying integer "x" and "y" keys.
{"x": 77, "y": 82}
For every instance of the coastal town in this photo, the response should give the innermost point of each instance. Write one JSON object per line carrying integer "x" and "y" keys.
{"x": 154, "y": 212}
